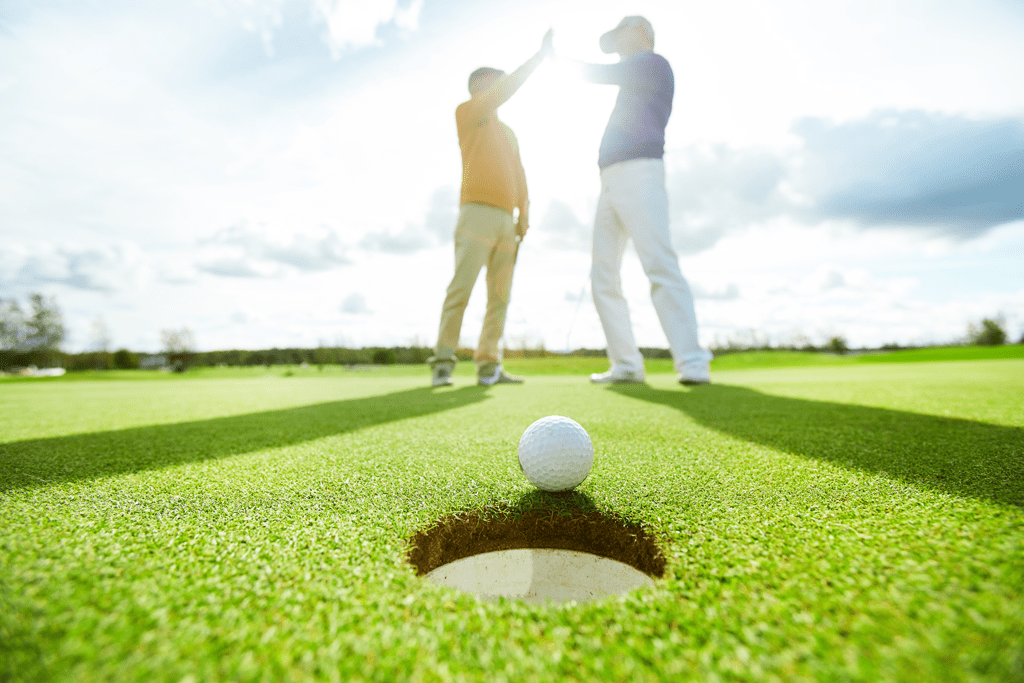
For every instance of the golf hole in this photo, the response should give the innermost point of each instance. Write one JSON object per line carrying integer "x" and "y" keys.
{"x": 538, "y": 556}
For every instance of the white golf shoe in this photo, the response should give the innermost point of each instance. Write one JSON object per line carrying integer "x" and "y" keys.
{"x": 491, "y": 374}
{"x": 442, "y": 374}
{"x": 694, "y": 374}
{"x": 618, "y": 377}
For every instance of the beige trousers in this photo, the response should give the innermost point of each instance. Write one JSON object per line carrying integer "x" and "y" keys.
{"x": 484, "y": 237}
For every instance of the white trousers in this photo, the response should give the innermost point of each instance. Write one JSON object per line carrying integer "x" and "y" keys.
{"x": 634, "y": 205}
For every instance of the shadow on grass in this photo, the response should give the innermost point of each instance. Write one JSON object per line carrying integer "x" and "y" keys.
{"x": 40, "y": 462}
{"x": 961, "y": 457}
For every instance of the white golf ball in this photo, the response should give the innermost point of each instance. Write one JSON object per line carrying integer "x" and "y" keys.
{"x": 555, "y": 453}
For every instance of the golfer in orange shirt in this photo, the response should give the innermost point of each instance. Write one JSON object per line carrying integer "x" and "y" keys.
{"x": 488, "y": 230}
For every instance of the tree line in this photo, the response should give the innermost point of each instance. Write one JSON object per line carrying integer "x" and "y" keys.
{"x": 32, "y": 337}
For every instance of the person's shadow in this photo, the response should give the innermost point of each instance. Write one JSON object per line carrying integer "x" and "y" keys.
{"x": 958, "y": 456}
{"x": 48, "y": 461}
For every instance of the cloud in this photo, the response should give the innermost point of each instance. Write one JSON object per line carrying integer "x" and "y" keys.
{"x": 321, "y": 250}
{"x": 729, "y": 291}
{"x": 406, "y": 241}
{"x": 355, "y": 304}
{"x": 246, "y": 250}
{"x": 438, "y": 227}
{"x": 713, "y": 190}
{"x": 948, "y": 176}
{"x": 443, "y": 213}
{"x": 352, "y": 24}
{"x": 93, "y": 268}
{"x": 562, "y": 229}
{"x": 235, "y": 267}
{"x": 831, "y": 279}
{"x": 177, "y": 271}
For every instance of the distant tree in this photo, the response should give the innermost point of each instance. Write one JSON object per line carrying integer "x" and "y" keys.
{"x": 838, "y": 345}
{"x": 12, "y": 333}
{"x": 420, "y": 354}
{"x": 45, "y": 328}
{"x": 176, "y": 341}
{"x": 34, "y": 338}
{"x": 12, "y": 326}
{"x": 234, "y": 357}
{"x": 180, "y": 347}
{"x": 100, "y": 334}
{"x": 126, "y": 360}
{"x": 322, "y": 356}
{"x": 989, "y": 333}
{"x": 384, "y": 357}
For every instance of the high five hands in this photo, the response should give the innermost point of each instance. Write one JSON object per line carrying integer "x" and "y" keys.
{"x": 547, "y": 45}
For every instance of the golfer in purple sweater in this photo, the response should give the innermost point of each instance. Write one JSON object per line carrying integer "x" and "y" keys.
{"x": 634, "y": 205}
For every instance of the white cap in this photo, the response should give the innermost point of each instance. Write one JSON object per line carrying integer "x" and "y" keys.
{"x": 609, "y": 40}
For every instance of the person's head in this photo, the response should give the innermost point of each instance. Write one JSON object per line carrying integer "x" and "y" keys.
{"x": 483, "y": 78}
{"x": 632, "y": 35}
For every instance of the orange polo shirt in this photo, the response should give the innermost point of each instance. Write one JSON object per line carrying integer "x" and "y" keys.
{"x": 492, "y": 172}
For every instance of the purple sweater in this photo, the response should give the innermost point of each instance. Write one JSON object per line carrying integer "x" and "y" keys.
{"x": 636, "y": 129}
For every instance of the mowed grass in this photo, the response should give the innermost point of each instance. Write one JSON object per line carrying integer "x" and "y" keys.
{"x": 851, "y": 522}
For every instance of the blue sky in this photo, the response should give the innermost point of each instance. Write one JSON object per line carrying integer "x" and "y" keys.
{"x": 285, "y": 172}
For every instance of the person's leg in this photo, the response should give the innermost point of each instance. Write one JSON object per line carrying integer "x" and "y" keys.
{"x": 643, "y": 207}
{"x": 500, "y": 264}
{"x": 609, "y": 245}
{"x": 471, "y": 248}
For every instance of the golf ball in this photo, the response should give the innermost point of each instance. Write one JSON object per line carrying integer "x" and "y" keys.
{"x": 555, "y": 453}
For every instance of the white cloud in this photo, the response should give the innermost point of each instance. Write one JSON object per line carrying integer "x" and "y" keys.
{"x": 443, "y": 213}
{"x": 437, "y": 227}
{"x": 943, "y": 174}
{"x": 910, "y": 170}
{"x": 714, "y": 189}
{"x": 355, "y": 304}
{"x": 722, "y": 293}
{"x": 352, "y": 24}
{"x": 560, "y": 228}
{"x": 248, "y": 250}
{"x": 99, "y": 268}
{"x": 405, "y": 241}
{"x": 872, "y": 287}
{"x": 235, "y": 266}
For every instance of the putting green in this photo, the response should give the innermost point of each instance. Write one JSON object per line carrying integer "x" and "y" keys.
{"x": 850, "y": 522}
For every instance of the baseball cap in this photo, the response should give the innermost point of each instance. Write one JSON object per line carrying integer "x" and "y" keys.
{"x": 608, "y": 40}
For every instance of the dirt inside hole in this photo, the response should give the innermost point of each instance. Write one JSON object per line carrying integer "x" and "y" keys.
{"x": 472, "y": 533}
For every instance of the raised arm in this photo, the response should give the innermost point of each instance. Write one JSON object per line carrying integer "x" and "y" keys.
{"x": 505, "y": 87}
{"x": 610, "y": 74}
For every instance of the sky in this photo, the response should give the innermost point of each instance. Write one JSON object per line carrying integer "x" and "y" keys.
{"x": 286, "y": 172}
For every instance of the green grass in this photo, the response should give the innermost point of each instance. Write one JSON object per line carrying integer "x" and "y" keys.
{"x": 858, "y": 521}
{"x": 763, "y": 359}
